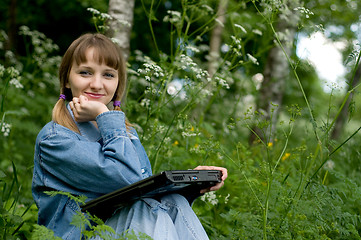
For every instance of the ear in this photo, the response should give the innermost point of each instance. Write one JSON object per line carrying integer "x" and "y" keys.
{"x": 67, "y": 85}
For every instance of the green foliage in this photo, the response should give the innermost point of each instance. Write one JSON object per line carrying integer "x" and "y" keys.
{"x": 91, "y": 226}
{"x": 292, "y": 182}
{"x": 16, "y": 218}
{"x": 41, "y": 232}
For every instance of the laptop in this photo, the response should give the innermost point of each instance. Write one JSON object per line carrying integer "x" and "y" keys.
{"x": 174, "y": 181}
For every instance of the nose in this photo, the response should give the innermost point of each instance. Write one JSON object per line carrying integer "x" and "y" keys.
{"x": 96, "y": 82}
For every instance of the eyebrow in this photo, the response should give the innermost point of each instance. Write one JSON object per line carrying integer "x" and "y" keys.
{"x": 87, "y": 67}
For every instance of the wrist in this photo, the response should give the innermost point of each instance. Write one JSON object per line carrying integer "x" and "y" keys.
{"x": 102, "y": 110}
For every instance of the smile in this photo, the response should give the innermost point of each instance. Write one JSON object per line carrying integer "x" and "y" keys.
{"x": 94, "y": 95}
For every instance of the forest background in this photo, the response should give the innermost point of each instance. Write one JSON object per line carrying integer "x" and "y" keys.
{"x": 209, "y": 83}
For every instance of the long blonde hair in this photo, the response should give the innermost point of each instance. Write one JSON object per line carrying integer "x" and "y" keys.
{"x": 105, "y": 51}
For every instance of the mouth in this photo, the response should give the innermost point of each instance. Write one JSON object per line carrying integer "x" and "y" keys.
{"x": 94, "y": 95}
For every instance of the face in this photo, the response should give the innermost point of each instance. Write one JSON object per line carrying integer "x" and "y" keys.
{"x": 92, "y": 80}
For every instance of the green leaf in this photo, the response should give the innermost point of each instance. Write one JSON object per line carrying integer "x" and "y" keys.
{"x": 41, "y": 233}
{"x": 2, "y": 174}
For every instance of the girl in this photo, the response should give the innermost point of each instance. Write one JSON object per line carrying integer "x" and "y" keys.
{"x": 89, "y": 150}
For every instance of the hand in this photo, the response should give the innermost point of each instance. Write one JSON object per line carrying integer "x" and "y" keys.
{"x": 218, "y": 185}
{"x": 85, "y": 110}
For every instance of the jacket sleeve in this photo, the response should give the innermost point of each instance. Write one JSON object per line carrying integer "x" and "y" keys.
{"x": 91, "y": 166}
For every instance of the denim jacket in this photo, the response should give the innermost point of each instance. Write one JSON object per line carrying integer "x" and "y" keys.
{"x": 93, "y": 163}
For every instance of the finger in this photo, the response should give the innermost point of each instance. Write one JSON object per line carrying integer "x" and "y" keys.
{"x": 82, "y": 99}
{"x": 224, "y": 174}
{"x": 204, "y": 190}
{"x": 71, "y": 104}
{"x": 217, "y": 186}
{"x": 222, "y": 169}
{"x": 75, "y": 100}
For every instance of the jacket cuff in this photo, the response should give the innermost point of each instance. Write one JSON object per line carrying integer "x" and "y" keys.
{"x": 111, "y": 123}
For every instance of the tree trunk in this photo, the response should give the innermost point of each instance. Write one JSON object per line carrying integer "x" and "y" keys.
{"x": 214, "y": 54}
{"x": 276, "y": 73}
{"x": 122, "y": 12}
{"x": 216, "y": 39}
{"x": 341, "y": 120}
{"x": 120, "y": 27}
{"x": 11, "y": 25}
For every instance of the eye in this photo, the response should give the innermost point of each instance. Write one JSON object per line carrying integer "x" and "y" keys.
{"x": 109, "y": 75}
{"x": 84, "y": 73}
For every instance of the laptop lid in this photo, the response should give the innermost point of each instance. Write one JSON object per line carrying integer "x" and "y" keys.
{"x": 174, "y": 181}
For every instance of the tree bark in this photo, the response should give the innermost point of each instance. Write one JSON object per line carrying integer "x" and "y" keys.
{"x": 11, "y": 25}
{"x": 216, "y": 39}
{"x": 122, "y": 12}
{"x": 341, "y": 120}
{"x": 276, "y": 73}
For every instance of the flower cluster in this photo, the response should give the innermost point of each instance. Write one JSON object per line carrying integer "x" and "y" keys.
{"x": 236, "y": 45}
{"x": 41, "y": 44}
{"x": 186, "y": 63}
{"x": 210, "y": 197}
{"x": 151, "y": 69}
{"x": 222, "y": 82}
{"x": 5, "y": 128}
{"x": 103, "y": 18}
{"x": 16, "y": 83}
{"x": 9, "y": 72}
{"x": 305, "y": 11}
{"x": 172, "y": 17}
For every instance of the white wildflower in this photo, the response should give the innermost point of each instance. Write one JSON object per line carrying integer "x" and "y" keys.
{"x": 172, "y": 17}
{"x": 93, "y": 10}
{"x": 258, "y": 32}
{"x": 222, "y": 82}
{"x": 257, "y": 80}
{"x": 5, "y": 129}
{"x": 305, "y": 11}
{"x": 31, "y": 93}
{"x": 226, "y": 199}
{"x": 192, "y": 48}
{"x": 151, "y": 67}
{"x": 330, "y": 164}
{"x": 24, "y": 30}
{"x": 174, "y": 87}
{"x": 42, "y": 85}
{"x": 13, "y": 72}
{"x": 16, "y": 83}
{"x": 225, "y": 48}
{"x": 171, "y": 90}
{"x": 116, "y": 41}
{"x": 240, "y": 27}
{"x": 219, "y": 22}
{"x": 206, "y": 93}
{"x": 2, "y": 70}
{"x": 252, "y": 59}
{"x": 145, "y": 102}
{"x": 174, "y": 13}
{"x": 236, "y": 40}
{"x": 189, "y": 134}
{"x": 105, "y": 16}
{"x": 124, "y": 22}
{"x": 207, "y": 8}
{"x": 210, "y": 197}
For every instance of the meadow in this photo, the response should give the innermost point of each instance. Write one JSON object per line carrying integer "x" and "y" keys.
{"x": 288, "y": 177}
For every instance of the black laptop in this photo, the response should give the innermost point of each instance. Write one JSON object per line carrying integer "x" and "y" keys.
{"x": 155, "y": 186}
